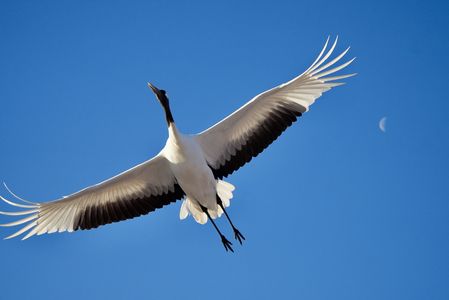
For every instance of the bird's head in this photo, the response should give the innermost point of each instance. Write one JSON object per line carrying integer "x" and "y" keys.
{"x": 161, "y": 95}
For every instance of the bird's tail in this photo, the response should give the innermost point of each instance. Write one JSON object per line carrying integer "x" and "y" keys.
{"x": 191, "y": 207}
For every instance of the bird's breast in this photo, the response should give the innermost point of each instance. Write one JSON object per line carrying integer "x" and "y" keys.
{"x": 192, "y": 172}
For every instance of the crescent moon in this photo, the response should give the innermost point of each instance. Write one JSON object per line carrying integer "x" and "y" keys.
{"x": 383, "y": 124}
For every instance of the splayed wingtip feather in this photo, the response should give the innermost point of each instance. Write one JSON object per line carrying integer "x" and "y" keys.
{"x": 18, "y": 205}
{"x": 329, "y": 64}
{"x": 21, "y": 221}
{"x": 18, "y": 213}
{"x": 336, "y": 69}
{"x": 15, "y": 195}
{"x": 318, "y": 64}
{"x": 21, "y": 230}
{"x": 333, "y": 78}
{"x": 319, "y": 55}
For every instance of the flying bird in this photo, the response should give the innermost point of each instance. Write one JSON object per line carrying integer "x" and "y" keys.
{"x": 189, "y": 167}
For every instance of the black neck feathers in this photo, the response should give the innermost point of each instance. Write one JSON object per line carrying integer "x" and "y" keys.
{"x": 162, "y": 96}
{"x": 163, "y": 100}
{"x": 168, "y": 115}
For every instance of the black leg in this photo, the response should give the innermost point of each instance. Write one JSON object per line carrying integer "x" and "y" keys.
{"x": 238, "y": 236}
{"x": 227, "y": 244}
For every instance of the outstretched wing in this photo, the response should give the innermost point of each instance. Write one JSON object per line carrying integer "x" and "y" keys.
{"x": 244, "y": 134}
{"x": 130, "y": 194}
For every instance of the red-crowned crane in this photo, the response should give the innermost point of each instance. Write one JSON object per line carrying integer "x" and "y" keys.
{"x": 189, "y": 166}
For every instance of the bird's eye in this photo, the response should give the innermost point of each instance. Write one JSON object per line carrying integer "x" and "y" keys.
{"x": 163, "y": 92}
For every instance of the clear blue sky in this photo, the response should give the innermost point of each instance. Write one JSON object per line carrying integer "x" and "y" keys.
{"x": 335, "y": 209}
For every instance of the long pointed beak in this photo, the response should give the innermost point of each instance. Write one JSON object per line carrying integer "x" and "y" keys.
{"x": 153, "y": 88}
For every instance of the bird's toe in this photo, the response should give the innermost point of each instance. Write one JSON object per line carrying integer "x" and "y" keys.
{"x": 227, "y": 244}
{"x": 238, "y": 236}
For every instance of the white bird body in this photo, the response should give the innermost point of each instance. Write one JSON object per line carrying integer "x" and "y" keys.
{"x": 192, "y": 172}
{"x": 189, "y": 166}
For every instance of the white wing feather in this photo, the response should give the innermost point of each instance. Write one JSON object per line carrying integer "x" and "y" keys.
{"x": 149, "y": 179}
{"x": 223, "y": 142}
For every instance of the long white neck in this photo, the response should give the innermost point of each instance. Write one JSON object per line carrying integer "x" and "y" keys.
{"x": 175, "y": 146}
{"x": 173, "y": 133}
